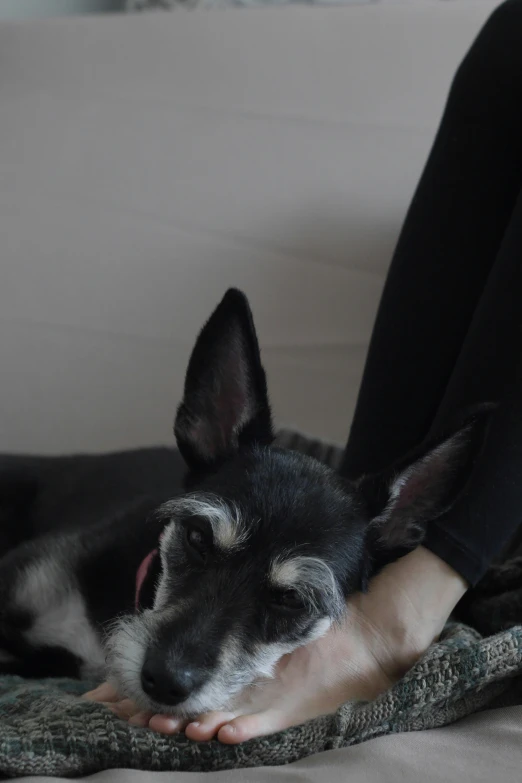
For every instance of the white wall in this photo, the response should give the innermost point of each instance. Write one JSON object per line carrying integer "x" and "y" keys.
{"x": 147, "y": 162}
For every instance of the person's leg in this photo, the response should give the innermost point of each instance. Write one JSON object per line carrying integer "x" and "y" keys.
{"x": 489, "y": 368}
{"x": 447, "y": 247}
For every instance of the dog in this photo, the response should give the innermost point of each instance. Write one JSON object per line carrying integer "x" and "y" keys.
{"x": 185, "y": 590}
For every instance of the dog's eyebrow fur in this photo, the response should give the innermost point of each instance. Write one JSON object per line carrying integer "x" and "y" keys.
{"x": 226, "y": 521}
{"x": 311, "y": 577}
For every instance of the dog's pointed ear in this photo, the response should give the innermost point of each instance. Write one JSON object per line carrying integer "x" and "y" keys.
{"x": 225, "y": 401}
{"x": 403, "y": 500}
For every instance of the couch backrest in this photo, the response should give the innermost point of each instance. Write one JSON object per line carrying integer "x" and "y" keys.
{"x": 148, "y": 163}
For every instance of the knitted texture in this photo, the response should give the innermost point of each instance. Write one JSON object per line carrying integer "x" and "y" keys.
{"x": 46, "y": 729}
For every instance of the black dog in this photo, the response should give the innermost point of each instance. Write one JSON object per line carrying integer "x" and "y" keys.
{"x": 183, "y": 595}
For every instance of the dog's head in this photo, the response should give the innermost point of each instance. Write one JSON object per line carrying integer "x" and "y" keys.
{"x": 260, "y": 556}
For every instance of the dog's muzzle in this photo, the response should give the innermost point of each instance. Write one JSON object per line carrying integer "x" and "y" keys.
{"x": 167, "y": 686}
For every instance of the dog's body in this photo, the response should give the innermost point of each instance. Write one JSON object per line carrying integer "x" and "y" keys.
{"x": 256, "y": 559}
{"x": 74, "y": 531}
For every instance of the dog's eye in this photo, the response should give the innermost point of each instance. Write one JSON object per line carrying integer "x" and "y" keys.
{"x": 288, "y": 600}
{"x": 196, "y": 544}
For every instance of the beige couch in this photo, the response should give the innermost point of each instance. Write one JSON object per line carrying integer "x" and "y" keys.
{"x": 148, "y": 163}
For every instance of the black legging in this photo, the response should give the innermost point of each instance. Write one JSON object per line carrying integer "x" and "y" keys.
{"x": 448, "y": 332}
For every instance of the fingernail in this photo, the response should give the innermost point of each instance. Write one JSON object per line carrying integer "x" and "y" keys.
{"x": 229, "y": 728}
{"x": 195, "y": 723}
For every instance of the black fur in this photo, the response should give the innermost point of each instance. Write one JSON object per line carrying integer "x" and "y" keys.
{"x": 220, "y": 615}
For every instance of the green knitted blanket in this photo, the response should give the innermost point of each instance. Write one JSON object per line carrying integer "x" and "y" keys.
{"x": 46, "y": 729}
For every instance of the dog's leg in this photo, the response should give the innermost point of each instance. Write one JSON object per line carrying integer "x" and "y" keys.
{"x": 496, "y": 601}
{"x": 501, "y": 578}
{"x": 41, "y": 662}
{"x": 492, "y": 614}
{"x": 44, "y": 627}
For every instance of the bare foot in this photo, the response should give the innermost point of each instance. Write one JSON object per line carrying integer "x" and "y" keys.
{"x": 382, "y": 635}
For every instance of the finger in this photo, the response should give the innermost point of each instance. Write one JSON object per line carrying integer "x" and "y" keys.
{"x": 167, "y": 724}
{"x": 140, "y": 719}
{"x": 104, "y": 692}
{"x": 207, "y": 725}
{"x": 257, "y": 725}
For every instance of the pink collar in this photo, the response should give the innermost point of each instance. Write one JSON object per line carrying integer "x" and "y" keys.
{"x": 142, "y": 572}
{"x": 141, "y": 575}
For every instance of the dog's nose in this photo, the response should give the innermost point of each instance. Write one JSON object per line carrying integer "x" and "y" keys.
{"x": 165, "y": 686}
